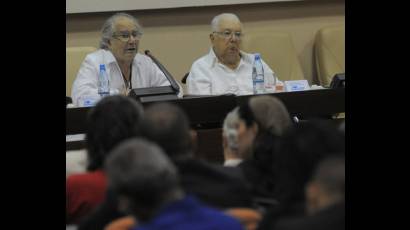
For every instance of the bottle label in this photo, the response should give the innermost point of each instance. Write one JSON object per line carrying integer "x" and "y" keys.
{"x": 258, "y": 87}
{"x": 103, "y": 82}
{"x": 258, "y": 76}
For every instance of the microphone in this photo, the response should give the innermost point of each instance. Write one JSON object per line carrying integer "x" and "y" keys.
{"x": 171, "y": 79}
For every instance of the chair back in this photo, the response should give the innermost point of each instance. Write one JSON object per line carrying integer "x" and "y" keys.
{"x": 278, "y": 51}
{"x": 74, "y": 57}
{"x": 330, "y": 53}
{"x": 249, "y": 218}
{"x": 123, "y": 223}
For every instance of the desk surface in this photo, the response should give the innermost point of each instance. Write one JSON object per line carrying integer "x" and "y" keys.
{"x": 310, "y": 103}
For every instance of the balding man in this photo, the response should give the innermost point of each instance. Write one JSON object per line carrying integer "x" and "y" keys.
{"x": 226, "y": 69}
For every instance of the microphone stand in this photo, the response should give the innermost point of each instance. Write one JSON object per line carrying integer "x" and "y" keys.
{"x": 174, "y": 84}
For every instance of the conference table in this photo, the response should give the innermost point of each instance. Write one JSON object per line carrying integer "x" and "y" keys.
{"x": 206, "y": 115}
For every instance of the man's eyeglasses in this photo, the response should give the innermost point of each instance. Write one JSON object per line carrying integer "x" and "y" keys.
{"x": 125, "y": 36}
{"x": 228, "y": 34}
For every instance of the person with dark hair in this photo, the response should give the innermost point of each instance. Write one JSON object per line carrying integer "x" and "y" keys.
{"x": 111, "y": 121}
{"x": 221, "y": 187}
{"x": 325, "y": 199}
{"x": 147, "y": 184}
{"x": 327, "y": 186}
{"x": 238, "y": 133}
{"x": 267, "y": 118}
{"x": 300, "y": 150}
{"x": 168, "y": 126}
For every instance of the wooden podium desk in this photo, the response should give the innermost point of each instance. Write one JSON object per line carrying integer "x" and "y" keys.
{"x": 206, "y": 115}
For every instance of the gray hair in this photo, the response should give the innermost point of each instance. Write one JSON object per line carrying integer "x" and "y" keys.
{"x": 139, "y": 170}
{"x": 216, "y": 20}
{"x": 230, "y": 128}
{"x": 107, "y": 29}
{"x": 270, "y": 114}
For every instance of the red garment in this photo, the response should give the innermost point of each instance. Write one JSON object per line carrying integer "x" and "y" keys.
{"x": 83, "y": 193}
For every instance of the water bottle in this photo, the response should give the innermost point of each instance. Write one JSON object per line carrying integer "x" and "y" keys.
{"x": 258, "y": 76}
{"x": 103, "y": 82}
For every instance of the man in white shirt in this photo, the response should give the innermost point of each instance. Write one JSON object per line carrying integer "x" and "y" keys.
{"x": 126, "y": 68}
{"x": 226, "y": 69}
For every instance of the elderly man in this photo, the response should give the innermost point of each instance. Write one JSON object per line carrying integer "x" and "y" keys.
{"x": 226, "y": 69}
{"x": 126, "y": 68}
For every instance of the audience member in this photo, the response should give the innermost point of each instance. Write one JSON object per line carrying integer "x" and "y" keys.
{"x": 230, "y": 142}
{"x": 217, "y": 186}
{"x": 325, "y": 195}
{"x": 300, "y": 150}
{"x": 112, "y": 120}
{"x": 271, "y": 119}
{"x": 148, "y": 188}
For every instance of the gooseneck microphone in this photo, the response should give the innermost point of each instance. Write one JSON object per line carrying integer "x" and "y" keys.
{"x": 171, "y": 79}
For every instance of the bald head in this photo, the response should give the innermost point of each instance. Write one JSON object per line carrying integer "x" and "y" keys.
{"x": 222, "y": 19}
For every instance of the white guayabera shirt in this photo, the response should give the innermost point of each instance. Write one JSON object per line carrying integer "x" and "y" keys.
{"x": 210, "y": 77}
{"x": 145, "y": 73}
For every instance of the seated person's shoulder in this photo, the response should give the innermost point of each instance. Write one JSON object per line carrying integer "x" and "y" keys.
{"x": 201, "y": 62}
{"x": 97, "y": 57}
{"x": 142, "y": 58}
{"x": 200, "y": 68}
{"x": 85, "y": 179}
{"x": 202, "y": 59}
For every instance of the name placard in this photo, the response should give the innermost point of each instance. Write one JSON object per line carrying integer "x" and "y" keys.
{"x": 297, "y": 85}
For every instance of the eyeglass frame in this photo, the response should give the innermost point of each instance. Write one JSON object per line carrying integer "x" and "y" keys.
{"x": 136, "y": 34}
{"x": 224, "y": 34}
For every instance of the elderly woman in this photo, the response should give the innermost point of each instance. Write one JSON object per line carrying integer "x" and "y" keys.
{"x": 126, "y": 68}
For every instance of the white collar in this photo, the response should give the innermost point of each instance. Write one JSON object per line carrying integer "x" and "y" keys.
{"x": 212, "y": 59}
{"x": 109, "y": 57}
{"x": 232, "y": 162}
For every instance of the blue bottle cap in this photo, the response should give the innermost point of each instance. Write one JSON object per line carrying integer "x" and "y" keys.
{"x": 257, "y": 56}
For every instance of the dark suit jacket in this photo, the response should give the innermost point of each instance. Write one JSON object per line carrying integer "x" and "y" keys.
{"x": 331, "y": 218}
{"x": 293, "y": 218}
